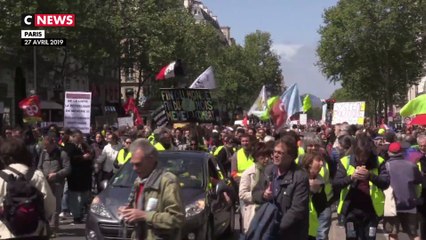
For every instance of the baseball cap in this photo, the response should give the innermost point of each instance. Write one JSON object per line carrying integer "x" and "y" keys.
{"x": 395, "y": 147}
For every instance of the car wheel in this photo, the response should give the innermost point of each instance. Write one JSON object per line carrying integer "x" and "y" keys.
{"x": 231, "y": 227}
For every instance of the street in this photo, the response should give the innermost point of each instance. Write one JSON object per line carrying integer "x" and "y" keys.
{"x": 73, "y": 232}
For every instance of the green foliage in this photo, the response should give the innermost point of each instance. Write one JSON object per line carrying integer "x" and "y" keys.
{"x": 243, "y": 70}
{"x": 373, "y": 47}
{"x": 143, "y": 36}
{"x": 343, "y": 95}
{"x": 315, "y": 113}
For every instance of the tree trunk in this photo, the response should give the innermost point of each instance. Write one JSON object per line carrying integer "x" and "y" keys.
{"x": 386, "y": 108}
{"x": 375, "y": 112}
{"x": 379, "y": 111}
{"x": 140, "y": 82}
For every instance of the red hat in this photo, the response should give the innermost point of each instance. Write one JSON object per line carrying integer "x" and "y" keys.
{"x": 395, "y": 147}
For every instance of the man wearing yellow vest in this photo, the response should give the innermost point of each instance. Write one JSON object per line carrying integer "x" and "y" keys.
{"x": 362, "y": 177}
{"x": 124, "y": 154}
{"x": 242, "y": 159}
{"x": 164, "y": 140}
{"x": 224, "y": 153}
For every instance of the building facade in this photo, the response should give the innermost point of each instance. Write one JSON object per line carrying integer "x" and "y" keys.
{"x": 417, "y": 89}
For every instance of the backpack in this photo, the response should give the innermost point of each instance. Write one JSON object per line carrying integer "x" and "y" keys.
{"x": 23, "y": 205}
{"x": 265, "y": 223}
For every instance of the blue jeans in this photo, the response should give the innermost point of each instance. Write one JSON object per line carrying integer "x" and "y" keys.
{"x": 324, "y": 221}
{"x": 78, "y": 203}
{"x": 65, "y": 199}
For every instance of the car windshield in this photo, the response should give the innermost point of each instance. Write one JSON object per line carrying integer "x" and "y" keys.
{"x": 189, "y": 172}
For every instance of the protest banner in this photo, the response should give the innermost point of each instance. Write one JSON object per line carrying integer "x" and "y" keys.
{"x": 77, "y": 109}
{"x": 188, "y": 105}
{"x": 303, "y": 119}
{"x": 350, "y": 112}
{"x": 125, "y": 122}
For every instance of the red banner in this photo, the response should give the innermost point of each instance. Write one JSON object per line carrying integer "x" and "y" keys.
{"x": 131, "y": 109}
{"x": 31, "y": 108}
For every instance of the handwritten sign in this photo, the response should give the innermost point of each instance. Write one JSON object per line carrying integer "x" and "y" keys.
{"x": 303, "y": 119}
{"x": 350, "y": 112}
{"x": 77, "y": 110}
{"x": 188, "y": 105}
{"x": 125, "y": 122}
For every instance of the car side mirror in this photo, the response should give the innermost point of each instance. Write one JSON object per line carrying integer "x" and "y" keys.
{"x": 104, "y": 184}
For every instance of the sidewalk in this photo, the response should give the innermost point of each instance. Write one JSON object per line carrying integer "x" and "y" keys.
{"x": 338, "y": 233}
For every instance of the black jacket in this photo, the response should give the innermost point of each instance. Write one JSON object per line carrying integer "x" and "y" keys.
{"x": 293, "y": 200}
{"x": 80, "y": 178}
{"x": 342, "y": 180}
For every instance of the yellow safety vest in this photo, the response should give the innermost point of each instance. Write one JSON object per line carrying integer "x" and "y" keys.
{"x": 243, "y": 162}
{"x": 151, "y": 138}
{"x": 121, "y": 159}
{"x": 300, "y": 151}
{"x": 217, "y": 151}
{"x": 325, "y": 174}
{"x": 159, "y": 147}
{"x": 313, "y": 219}
{"x": 419, "y": 186}
{"x": 376, "y": 194}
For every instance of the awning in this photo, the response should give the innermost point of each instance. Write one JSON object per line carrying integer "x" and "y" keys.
{"x": 50, "y": 105}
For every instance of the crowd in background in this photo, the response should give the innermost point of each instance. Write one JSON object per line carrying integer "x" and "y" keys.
{"x": 343, "y": 167}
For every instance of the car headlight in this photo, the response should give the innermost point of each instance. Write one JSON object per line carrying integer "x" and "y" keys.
{"x": 98, "y": 208}
{"x": 195, "y": 208}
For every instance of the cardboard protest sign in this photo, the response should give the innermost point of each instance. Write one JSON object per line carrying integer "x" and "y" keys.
{"x": 188, "y": 105}
{"x": 350, "y": 112}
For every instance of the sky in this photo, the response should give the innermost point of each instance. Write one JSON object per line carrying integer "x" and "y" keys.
{"x": 293, "y": 25}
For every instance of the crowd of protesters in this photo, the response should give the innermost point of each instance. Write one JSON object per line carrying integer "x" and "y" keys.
{"x": 307, "y": 172}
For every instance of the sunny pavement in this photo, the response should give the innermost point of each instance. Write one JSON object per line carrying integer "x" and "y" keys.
{"x": 74, "y": 232}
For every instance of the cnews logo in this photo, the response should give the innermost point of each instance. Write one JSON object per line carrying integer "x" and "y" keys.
{"x": 48, "y": 20}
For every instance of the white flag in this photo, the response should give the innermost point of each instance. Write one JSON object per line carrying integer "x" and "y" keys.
{"x": 206, "y": 80}
{"x": 259, "y": 106}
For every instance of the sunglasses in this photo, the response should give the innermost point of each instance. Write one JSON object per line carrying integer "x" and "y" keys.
{"x": 128, "y": 142}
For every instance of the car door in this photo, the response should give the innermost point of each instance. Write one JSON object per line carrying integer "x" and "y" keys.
{"x": 219, "y": 206}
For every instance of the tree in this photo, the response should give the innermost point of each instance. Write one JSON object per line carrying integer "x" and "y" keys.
{"x": 94, "y": 43}
{"x": 159, "y": 32}
{"x": 242, "y": 70}
{"x": 342, "y": 95}
{"x": 315, "y": 113}
{"x": 373, "y": 48}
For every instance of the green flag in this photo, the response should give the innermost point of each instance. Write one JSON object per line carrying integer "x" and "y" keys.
{"x": 414, "y": 107}
{"x": 307, "y": 104}
{"x": 265, "y": 116}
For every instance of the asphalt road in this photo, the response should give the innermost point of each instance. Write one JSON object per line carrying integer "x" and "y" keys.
{"x": 74, "y": 232}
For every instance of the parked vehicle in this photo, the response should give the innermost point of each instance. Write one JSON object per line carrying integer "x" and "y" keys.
{"x": 202, "y": 188}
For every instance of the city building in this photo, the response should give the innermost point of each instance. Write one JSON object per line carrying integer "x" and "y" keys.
{"x": 417, "y": 89}
{"x": 51, "y": 83}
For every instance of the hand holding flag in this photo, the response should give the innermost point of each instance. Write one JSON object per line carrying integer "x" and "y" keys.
{"x": 31, "y": 108}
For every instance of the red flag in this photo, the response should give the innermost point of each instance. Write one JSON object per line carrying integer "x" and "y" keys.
{"x": 245, "y": 121}
{"x": 130, "y": 107}
{"x": 278, "y": 113}
{"x": 31, "y": 108}
{"x": 170, "y": 71}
